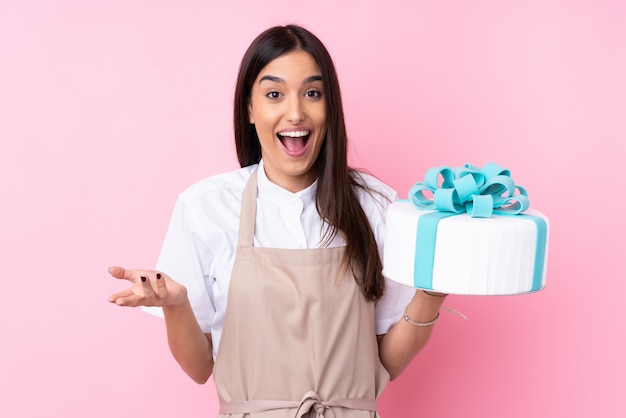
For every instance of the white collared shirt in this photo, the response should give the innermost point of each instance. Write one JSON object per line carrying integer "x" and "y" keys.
{"x": 200, "y": 244}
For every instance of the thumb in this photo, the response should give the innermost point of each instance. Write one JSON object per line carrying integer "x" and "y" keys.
{"x": 120, "y": 273}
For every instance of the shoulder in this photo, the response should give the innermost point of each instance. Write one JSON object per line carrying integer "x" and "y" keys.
{"x": 372, "y": 192}
{"x": 216, "y": 196}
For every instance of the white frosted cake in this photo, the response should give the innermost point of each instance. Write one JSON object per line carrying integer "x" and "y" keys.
{"x": 453, "y": 252}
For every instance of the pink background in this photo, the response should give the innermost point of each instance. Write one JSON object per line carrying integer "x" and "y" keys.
{"x": 109, "y": 109}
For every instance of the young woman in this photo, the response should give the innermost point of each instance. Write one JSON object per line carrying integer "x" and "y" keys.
{"x": 270, "y": 277}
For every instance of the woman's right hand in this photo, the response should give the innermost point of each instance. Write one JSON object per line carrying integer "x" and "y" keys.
{"x": 149, "y": 288}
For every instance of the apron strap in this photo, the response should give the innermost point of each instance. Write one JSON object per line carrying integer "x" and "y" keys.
{"x": 310, "y": 402}
{"x": 247, "y": 218}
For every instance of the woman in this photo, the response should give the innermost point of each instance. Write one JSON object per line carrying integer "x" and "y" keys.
{"x": 270, "y": 277}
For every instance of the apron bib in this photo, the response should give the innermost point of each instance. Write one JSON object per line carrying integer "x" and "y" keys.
{"x": 299, "y": 338}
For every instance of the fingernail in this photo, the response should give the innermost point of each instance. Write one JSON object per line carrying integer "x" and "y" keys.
{"x": 158, "y": 275}
{"x": 143, "y": 278}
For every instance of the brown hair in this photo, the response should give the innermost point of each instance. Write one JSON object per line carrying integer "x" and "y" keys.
{"x": 337, "y": 201}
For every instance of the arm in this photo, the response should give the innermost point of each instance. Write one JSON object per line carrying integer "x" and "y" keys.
{"x": 404, "y": 340}
{"x": 191, "y": 348}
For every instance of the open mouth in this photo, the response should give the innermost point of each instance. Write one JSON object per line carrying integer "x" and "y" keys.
{"x": 294, "y": 142}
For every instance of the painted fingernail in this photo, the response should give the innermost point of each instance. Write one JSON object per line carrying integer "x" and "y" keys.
{"x": 143, "y": 278}
{"x": 158, "y": 275}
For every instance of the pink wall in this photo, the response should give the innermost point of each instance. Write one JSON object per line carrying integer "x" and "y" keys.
{"x": 109, "y": 109}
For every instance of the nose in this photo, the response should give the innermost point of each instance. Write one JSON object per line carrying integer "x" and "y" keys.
{"x": 295, "y": 112}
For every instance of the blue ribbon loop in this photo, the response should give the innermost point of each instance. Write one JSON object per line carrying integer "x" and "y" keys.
{"x": 478, "y": 192}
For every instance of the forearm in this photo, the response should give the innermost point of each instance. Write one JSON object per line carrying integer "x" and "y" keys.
{"x": 191, "y": 348}
{"x": 403, "y": 341}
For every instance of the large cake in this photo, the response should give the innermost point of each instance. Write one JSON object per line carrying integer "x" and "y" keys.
{"x": 467, "y": 231}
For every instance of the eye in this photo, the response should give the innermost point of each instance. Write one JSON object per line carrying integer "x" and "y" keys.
{"x": 273, "y": 95}
{"x": 313, "y": 94}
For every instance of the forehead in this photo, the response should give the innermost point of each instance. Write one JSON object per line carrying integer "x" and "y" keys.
{"x": 293, "y": 66}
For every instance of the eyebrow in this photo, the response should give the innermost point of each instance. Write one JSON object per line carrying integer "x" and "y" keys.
{"x": 275, "y": 79}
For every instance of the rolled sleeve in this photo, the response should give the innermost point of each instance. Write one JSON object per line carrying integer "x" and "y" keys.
{"x": 390, "y": 307}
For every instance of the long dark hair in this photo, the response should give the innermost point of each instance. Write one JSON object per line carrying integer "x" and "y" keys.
{"x": 337, "y": 201}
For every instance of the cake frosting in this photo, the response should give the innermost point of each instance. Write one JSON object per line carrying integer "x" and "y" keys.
{"x": 474, "y": 236}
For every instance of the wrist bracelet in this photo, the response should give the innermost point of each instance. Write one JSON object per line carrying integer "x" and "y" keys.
{"x": 433, "y": 295}
{"x": 418, "y": 324}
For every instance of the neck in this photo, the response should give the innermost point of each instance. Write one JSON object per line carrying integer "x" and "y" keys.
{"x": 293, "y": 183}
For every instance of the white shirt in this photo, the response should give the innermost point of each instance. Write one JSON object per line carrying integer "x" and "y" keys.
{"x": 200, "y": 244}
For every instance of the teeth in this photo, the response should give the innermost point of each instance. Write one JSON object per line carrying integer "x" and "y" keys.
{"x": 294, "y": 134}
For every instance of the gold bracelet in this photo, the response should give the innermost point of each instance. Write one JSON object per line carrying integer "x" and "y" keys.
{"x": 418, "y": 324}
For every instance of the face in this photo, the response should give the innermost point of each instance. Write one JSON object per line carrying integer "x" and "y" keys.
{"x": 289, "y": 113}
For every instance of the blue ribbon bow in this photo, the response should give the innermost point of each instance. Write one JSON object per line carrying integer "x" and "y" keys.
{"x": 479, "y": 192}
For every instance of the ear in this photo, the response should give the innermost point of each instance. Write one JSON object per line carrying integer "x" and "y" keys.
{"x": 250, "y": 117}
